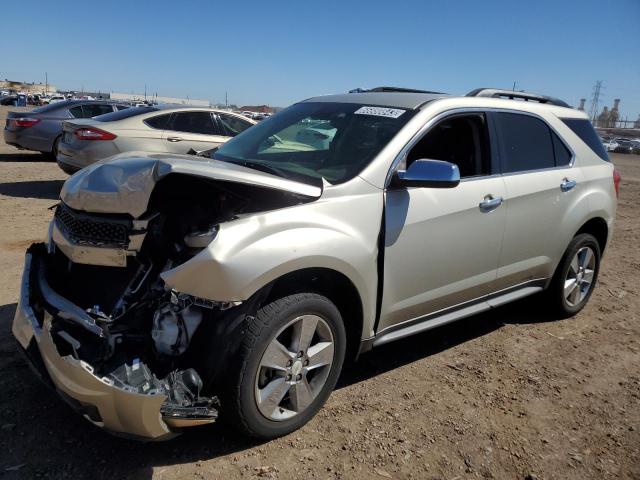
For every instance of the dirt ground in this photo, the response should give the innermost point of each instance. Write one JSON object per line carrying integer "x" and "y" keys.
{"x": 507, "y": 394}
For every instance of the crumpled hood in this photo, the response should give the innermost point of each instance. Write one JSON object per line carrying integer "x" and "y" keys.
{"x": 123, "y": 183}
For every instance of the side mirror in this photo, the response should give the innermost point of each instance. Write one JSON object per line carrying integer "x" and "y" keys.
{"x": 428, "y": 174}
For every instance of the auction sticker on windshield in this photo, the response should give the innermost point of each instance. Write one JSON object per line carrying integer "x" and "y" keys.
{"x": 380, "y": 111}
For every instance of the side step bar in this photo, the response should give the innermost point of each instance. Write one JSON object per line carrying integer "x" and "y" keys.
{"x": 458, "y": 312}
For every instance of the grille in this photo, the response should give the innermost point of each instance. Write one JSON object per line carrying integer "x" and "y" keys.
{"x": 87, "y": 229}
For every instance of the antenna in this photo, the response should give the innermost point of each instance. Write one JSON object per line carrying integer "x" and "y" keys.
{"x": 595, "y": 99}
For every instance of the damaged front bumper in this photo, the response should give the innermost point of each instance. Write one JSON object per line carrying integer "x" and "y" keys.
{"x": 100, "y": 400}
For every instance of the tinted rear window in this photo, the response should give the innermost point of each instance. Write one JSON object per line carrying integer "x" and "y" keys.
{"x": 583, "y": 128}
{"x": 127, "y": 113}
{"x": 526, "y": 143}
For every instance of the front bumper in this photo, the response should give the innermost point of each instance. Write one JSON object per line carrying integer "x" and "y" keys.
{"x": 97, "y": 399}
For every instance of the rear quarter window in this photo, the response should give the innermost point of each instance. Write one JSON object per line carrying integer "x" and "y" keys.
{"x": 583, "y": 129}
{"x": 158, "y": 122}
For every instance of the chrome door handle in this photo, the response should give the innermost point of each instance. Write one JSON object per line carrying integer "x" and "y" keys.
{"x": 174, "y": 139}
{"x": 490, "y": 203}
{"x": 567, "y": 185}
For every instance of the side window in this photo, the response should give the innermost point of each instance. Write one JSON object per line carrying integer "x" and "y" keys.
{"x": 562, "y": 154}
{"x": 94, "y": 109}
{"x": 122, "y": 107}
{"x": 158, "y": 122}
{"x": 193, "y": 122}
{"x": 76, "y": 111}
{"x": 526, "y": 143}
{"x": 460, "y": 139}
{"x": 232, "y": 125}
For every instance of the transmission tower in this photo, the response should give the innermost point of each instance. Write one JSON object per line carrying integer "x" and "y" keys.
{"x": 595, "y": 99}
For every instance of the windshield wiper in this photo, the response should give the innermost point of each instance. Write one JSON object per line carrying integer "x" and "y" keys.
{"x": 261, "y": 166}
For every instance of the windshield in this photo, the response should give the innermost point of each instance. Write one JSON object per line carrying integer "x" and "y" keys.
{"x": 310, "y": 141}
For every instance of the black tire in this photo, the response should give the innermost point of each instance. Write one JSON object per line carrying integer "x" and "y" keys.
{"x": 53, "y": 154}
{"x": 68, "y": 169}
{"x": 556, "y": 291}
{"x": 54, "y": 148}
{"x": 239, "y": 402}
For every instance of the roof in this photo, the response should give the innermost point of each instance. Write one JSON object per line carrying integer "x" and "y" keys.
{"x": 415, "y": 99}
{"x": 408, "y": 100}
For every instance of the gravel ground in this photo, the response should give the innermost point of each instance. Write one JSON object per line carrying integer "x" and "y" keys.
{"x": 507, "y": 394}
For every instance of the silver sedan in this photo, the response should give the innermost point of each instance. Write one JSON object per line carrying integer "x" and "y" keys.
{"x": 150, "y": 129}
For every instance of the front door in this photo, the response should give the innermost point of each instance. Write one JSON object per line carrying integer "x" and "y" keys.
{"x": 442, "y": 246}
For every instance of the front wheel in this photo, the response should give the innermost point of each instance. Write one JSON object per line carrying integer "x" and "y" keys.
{"x": 576, "y": 276}
{"x": 287, "y": 366}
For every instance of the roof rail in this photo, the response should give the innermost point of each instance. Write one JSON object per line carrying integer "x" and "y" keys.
{"x": 526, "y": 96}
{"x": 390, "y": 89}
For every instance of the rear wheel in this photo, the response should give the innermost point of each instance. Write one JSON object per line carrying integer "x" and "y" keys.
{"x": 68, "y": 169}
{"x": 575, "y": 278}
{"x": 53, "y": 154}
{"x": 287, "y": 366}
{"x": 54, "y": 149}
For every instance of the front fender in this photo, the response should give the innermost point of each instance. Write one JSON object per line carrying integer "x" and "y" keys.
{"x": 340, "y": 234}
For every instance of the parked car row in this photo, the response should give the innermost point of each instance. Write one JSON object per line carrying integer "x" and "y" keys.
{"x": 78, "y": 133}
{"x": 621, "y": 145}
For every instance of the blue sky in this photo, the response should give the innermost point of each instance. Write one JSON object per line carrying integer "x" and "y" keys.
{"x": 278, "y": 52}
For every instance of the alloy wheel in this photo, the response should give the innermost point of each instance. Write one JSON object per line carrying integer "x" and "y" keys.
{"x": 294, "y": 367}
{"x": 579, "y": 279}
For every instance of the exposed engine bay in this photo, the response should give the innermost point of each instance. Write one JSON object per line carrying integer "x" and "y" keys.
{"x": 130, "y": 328}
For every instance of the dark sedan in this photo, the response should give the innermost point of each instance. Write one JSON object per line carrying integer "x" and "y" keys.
{"x": 41, "y": 129}
{"x": 625, "y": 146}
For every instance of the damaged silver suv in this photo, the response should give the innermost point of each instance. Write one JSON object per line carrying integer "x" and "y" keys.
{"x": 173, "y": 288}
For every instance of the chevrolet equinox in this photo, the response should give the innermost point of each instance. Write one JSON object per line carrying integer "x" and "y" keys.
{"x": 172, "y": 289}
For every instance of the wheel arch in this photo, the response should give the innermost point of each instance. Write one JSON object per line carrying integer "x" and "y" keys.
{"x": 332, "y": 284}
{"x": 596, "y": 226}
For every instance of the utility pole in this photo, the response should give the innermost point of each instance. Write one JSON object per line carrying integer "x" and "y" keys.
{"x": 46, "y": 83}
{"x": 145, "y": 93}
{"x": 226, "y": 100}
{"x": 595, "y": 99}
{"x": 514, "y": 87}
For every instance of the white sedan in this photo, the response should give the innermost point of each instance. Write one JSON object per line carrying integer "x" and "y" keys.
{"x": 166, "y": 129}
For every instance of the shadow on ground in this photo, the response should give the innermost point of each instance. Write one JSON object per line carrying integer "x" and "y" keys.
{"x": 45, "y": 189}
{"x": 46, "y": 438}
{"x": 25, "y": 156}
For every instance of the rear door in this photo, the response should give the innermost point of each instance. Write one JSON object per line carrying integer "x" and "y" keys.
{"x": 541, "y": 186}
{"x": 192, "y": 130}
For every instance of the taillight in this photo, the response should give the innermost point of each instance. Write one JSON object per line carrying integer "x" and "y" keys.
{"x": 25, "y": 122}
{"x": 616, "y": 181}
{"x": 90, "y": 133}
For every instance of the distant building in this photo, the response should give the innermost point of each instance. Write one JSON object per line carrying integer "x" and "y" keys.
{"x": 609, "y": 118}
{"x": 27, "y": 87}
{"x": 141, "y": 98}
{"x": 256, "y": 108}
